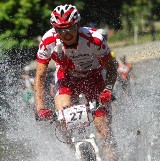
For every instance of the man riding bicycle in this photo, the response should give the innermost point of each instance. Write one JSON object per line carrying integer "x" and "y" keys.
{"x": 80, "y": 54}
{"x": 125, "y": 70}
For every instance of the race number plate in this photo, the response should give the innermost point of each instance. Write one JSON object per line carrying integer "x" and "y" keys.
{"x": 76, "y": 116}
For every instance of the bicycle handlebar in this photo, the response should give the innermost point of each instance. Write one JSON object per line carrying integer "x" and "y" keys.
{"x": 92, "y": 107}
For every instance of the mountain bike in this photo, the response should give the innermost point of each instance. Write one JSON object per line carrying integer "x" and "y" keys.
{"x": 77, "y": 119}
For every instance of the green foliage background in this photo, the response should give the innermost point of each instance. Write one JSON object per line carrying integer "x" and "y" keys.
{"x": 22, "y": 21}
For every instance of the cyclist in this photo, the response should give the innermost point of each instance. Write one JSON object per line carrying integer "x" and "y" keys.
{"x": 125, "y": 70}
{"x": 80, "y": 54}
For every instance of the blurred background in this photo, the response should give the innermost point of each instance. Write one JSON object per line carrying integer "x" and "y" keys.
{"x": 23, "y": 22}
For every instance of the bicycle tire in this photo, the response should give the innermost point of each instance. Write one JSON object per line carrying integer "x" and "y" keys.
{"x": 87, "y": 152}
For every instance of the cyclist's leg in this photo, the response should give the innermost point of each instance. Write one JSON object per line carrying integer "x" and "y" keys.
{"x": 95, "y": 85}
{"x": 103, "y": 129}
{"x": 93, "y": 88}
{"x": 62, "y": 100}
{"x": 101, "y": 125}
{"x": 65, "y": 92}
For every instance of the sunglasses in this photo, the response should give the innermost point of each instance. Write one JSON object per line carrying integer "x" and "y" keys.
{"x": 70, "y": 29}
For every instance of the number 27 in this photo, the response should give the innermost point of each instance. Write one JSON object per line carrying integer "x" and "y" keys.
{"x": 74, "y": 117}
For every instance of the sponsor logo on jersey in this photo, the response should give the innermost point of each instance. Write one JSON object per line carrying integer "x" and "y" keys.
{"x": 75, "y": 57}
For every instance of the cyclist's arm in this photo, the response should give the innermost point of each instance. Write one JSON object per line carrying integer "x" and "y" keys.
{"x": 106, "y": 60}
{"x": 111, "y": 74}
{"x": 39, "y": 84}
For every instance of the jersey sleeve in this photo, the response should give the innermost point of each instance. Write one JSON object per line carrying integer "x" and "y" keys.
{"x": 103, "y": 51}
{"x": 46, "y": 48}
{"x": 43, "y": 54}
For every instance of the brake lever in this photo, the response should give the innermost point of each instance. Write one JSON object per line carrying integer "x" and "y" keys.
{"x": 93, "y": 106}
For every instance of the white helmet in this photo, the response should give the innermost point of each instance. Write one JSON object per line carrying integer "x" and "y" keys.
{"x": 103, "y": 32}
{"x": 64, "y": 16}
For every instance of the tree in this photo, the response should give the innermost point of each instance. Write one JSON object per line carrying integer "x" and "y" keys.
{"x": 140, "y": 13}
{"x": 21, "y": 21}
{"x": 104, "y": 11}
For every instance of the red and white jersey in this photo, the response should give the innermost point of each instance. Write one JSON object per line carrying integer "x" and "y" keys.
{"x": 90, "y": 51}
{"x": 124, "y": 71}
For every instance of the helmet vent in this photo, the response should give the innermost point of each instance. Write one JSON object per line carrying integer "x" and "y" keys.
{"x": 66, "y": 7}
{"x": 64, "y": 16}
{"x": 62, "y": 12}
{"x": 75, "y": 14}
{"x": 56, "y": 17}
{"x": 67, "y": 17}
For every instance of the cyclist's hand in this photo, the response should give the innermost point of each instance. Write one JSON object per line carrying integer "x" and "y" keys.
{"x": 105, "y": 97}
{"x": 44, "y": 114}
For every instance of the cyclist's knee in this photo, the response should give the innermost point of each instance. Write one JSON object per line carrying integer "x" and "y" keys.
{"x": 62, "y": 101}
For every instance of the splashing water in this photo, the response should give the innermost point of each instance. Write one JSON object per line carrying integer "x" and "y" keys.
{"x": 135, "y": 122}
{"x": 22, "y": 137}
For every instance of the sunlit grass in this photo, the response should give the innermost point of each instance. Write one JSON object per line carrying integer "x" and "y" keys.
{"x": 120, "y": 39}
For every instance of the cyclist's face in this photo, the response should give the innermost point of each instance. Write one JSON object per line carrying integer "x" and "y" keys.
{"x": 68, "y": 35}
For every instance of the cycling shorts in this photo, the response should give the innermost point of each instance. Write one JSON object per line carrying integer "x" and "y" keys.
{"x": 91, "y": 85}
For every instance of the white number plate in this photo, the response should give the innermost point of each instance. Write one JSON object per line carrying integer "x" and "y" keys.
{"x": 76, "y": 116}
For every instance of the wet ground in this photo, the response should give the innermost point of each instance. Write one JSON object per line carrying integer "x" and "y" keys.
{"x": 136, "y": 117}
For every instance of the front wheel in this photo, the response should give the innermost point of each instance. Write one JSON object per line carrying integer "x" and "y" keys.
{"x": 87, "y": 152}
